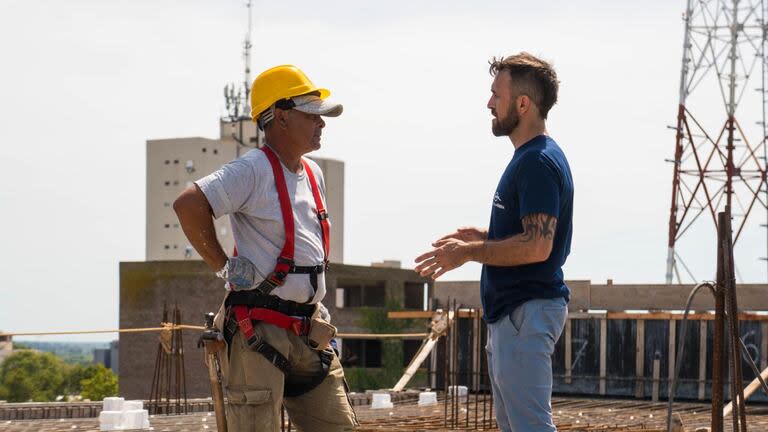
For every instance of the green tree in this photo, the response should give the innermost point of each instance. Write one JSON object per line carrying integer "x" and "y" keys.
{"x": 102, "y": 384}
{"x": 74, "y": 376}
{"x": 28, "y": 375}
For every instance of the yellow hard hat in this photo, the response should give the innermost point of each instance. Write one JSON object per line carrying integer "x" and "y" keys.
{"x": 280, "y": 82}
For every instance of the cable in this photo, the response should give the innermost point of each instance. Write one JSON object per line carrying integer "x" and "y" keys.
{"x": 681, "y": 347}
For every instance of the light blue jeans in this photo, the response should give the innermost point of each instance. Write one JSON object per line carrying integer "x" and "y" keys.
{"x": 520, "y": 346}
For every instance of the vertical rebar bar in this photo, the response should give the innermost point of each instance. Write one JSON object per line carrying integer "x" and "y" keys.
{"x": 455, "y": 369}
{"x": 737, "y": 384}
{"x": 446, "y": 361}
{"x": 469, "y": 358}
{"x": 718, "y": 343}
{"x": 183, "y": 368}
{"x": 485, "y": 378}
{"x": 477, "y": 363}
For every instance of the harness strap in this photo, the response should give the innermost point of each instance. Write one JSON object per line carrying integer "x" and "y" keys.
{"x": 298, "y": 385}
{"x": 298, "y": 325}
{"x": 295, "y": 385}
{"x": 322, "y": 214}
{"x": 272, "y": 355}
{"x": 256, "y": 344}
{"x": 252, "y": 299}
{"x": 285, "y": 260}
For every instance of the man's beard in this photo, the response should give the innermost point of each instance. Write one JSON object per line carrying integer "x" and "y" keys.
{"x": 507, "y": 125}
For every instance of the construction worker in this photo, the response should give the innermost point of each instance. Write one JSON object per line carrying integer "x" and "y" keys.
{"x": 278, "y": 335}
{"x": 523, "y": 292}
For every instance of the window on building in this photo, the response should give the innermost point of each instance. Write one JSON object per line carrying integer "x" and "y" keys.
{"x": 414, "y": 295}
{"x": 167, "y": 247}
{"x": 166, "y": 204}
{"x": 175, "y": 246}
{"x": 215, "y": 151}
{"x": 410, "y": 348}
{"x": 167, "y": 225}
{"x": 363, "y": 293}
{"x": 167, "y": 162}
{"x": 167, "y": 182}
{"x": 175, "y": 182}
{"x": 363, "y": 353}
{"x": 188, "y": 252}
{"x": 205, "y": 150}
{"x": 175, "y": 161}
{"x": 175, "y": 225}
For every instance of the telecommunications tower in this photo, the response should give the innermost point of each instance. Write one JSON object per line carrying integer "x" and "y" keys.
{"x": 237, "y": 98}
{"x": 720, "y": 143}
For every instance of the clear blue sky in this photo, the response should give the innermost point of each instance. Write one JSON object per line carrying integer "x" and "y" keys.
{"x": 85, "y": 83}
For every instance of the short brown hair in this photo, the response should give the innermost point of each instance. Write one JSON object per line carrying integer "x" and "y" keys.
{"x": 532, "y": 76}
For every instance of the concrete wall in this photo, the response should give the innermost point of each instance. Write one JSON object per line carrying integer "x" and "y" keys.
{"x": 146, "y": 286}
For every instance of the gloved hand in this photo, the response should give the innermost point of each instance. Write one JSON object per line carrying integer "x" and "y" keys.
{"x": 324, "y": 314}
{"x": 239, "y": 272}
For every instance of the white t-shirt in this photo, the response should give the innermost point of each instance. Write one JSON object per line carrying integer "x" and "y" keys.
{"x": 245, "y": 190}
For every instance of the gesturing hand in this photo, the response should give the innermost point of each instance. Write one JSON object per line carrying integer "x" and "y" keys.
{"x": 449, "y": 253}
{"x": 465, "y": 234}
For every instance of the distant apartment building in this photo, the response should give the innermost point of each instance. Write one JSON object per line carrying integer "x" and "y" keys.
{"x": 109, "y": 357}
{"x": 173, "y": 164}
{"x": 6, "y": 347}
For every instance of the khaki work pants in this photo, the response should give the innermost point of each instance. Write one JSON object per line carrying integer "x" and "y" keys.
{"x": 254, "y": 387}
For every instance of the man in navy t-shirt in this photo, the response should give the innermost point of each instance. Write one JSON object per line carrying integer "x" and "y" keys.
{"x": 523, "y": 250}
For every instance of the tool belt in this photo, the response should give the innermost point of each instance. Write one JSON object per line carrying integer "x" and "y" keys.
{"x": 247, "y": 308}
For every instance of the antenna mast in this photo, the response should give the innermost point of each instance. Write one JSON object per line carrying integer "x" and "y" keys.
{"x": 247, "y": 57}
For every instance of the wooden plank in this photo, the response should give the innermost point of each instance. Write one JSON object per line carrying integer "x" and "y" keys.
{"x": 409, "y": 314}
{"x": 639, "y": 359}
{"x": 667, "y": 297}
{"x": 462, "y": 313}
{"x": 603, "y": 354}
{"x": 706, "y": 316}
{"x": 568, "y": 351}
{"x": 702, "y": 359}
{"x": 672, "y": 349}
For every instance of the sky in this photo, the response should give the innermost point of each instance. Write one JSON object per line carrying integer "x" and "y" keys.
{"x": 85, "y": 83}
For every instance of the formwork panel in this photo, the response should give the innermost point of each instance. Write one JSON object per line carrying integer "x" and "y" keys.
{"x": 621, "y": 357}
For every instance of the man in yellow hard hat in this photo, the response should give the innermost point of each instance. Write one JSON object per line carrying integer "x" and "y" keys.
{"x": 278, "y": 335}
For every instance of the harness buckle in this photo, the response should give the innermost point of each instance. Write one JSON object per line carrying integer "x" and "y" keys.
{"x": 282, "y": 260}
{"x": 254, "y": 342}
{"x": 323, "y": 215}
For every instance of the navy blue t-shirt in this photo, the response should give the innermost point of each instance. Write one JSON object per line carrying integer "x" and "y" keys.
{"x": 537, "y": 180}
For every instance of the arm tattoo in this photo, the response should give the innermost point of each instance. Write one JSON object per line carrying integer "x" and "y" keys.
{"x": 538, "y": 226}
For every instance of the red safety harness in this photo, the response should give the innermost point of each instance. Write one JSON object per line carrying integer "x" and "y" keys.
{"x": 261, "y": 305}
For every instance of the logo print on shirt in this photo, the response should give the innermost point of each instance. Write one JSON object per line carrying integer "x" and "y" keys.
{"x": 497, "y": 201}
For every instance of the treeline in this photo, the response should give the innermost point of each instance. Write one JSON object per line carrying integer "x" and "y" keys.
{"x": 28, "y": 375}
{"x": 70, "y": 352}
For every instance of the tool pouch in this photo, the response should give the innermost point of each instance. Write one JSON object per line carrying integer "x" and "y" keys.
{"x": 320, "y": 334}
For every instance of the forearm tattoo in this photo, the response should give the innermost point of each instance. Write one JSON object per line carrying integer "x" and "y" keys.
{"x": 538, "y": 226}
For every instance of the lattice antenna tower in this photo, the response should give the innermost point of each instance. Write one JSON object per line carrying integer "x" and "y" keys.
{"x": 237, "y": 100}
{"x": 717, "y": 160}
